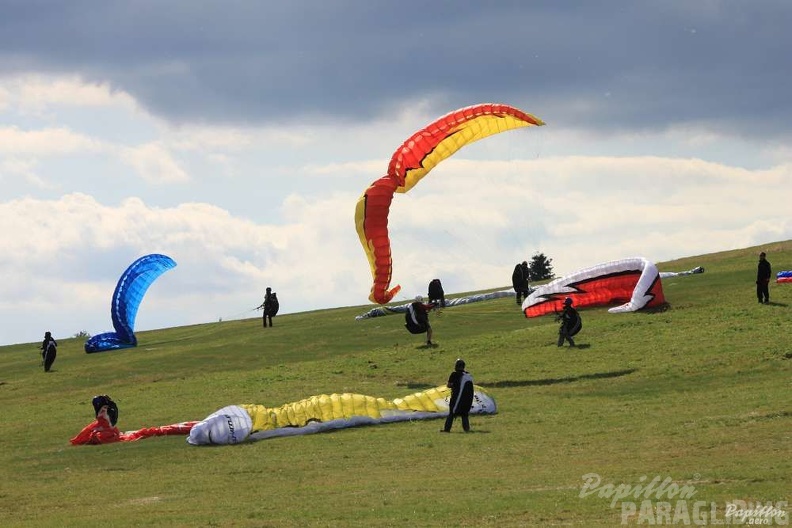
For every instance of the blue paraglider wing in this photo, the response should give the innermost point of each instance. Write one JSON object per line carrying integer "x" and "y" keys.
{"x": 132, "y": 287}
{"x": 106, "y": 341}
{"x": 126, "y": 300}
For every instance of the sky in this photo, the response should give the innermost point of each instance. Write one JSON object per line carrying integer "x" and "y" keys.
{"x": 236, "y": 138}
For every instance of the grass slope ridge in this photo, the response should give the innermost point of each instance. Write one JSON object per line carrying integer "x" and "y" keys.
{"x": 698, "y": 393}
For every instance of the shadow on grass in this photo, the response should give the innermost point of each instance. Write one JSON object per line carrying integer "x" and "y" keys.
{"x": 527, "y": 383}
{"x": 554, "y": 381}
{"x": 567, "y": 347}
{"x": 415, "y": 386}
{"x": 773, "y": 303}
{"x": 655, "y": 309}
{"x": 472, "y": 431}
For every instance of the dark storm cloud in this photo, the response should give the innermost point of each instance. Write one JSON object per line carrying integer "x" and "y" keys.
{"x": 620, "y": 64}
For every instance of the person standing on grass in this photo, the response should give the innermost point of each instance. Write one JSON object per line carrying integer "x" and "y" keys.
{"x": 270, "y": 306}
{"x": 521, "y": 277}
{"x": 763, "y": 273}
{"x": 49, "y": 349}
{"x": 461, "y": 384}
{"x": 570, "y": 323}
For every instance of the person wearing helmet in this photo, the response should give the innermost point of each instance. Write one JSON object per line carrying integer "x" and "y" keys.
{"x": 461, "y": 384}
{"x": 416, "y": 319}
{"x": 570, "y": 323}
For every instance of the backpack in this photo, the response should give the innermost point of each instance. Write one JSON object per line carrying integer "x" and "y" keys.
{"x": 435, "y": 290}
{"x": 518, "y": 276}
{"x": 274, "y": 304}
{"x": 575, "y": 325}
{"x": 410, "y": 323}
{"x": 112, "y": 409}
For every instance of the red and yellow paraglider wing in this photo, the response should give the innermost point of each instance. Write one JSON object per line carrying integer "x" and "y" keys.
{"x": 411, "y": 162}
{"x": 371, "y": 222}
{"x": 441, "y": 139}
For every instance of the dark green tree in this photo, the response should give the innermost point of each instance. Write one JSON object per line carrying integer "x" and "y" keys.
{"x": 540, "y": 267}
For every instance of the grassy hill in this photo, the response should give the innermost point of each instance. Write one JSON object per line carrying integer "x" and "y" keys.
{"x": 698, "y": 393}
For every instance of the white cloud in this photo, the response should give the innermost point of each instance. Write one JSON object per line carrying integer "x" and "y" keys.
{"x": 38, "y": 94}
{"x": 45, "y": 142}
{"x": 16, "y": 168}
{"x": 5, "y": 98}
{"x": 154, "y": 162}
{"x": 208, "y": 138}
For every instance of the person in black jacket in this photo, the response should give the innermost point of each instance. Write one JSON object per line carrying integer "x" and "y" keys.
{"x": 416, "y": 319}
{"x": 436, "y": 293}
{"x": 270, "y": 306}
{"x": 570, "y": 323}
{"x": 763, "y": 273}
{"x": 521, "y": 277}
{"x": 49, "y": 349}
{"x": 461, "y": 384}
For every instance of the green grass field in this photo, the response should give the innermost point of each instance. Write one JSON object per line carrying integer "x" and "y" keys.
{"x": 698, "y": 393}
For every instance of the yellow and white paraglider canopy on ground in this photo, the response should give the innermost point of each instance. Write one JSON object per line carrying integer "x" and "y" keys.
{"x": 238, "y": 423}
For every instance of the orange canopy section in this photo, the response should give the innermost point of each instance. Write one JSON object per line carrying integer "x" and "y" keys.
{"x": 411, "y": 162}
